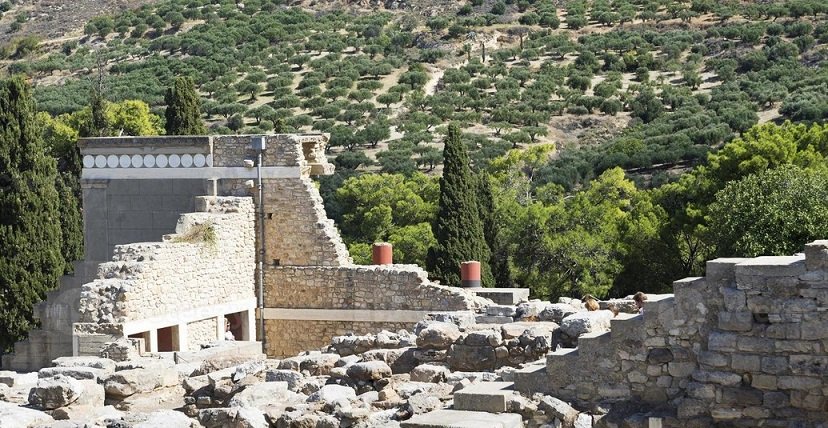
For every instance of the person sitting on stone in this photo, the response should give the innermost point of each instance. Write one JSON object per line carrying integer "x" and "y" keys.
{"x": 639, "y": 299}
{"x": 228, "y": 335}
{"x": 590, "y": 302}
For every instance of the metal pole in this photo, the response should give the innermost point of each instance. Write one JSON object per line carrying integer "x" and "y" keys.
{"x": 261, "y": 252}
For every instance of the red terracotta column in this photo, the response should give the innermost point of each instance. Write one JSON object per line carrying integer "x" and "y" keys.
{"x": 382, "y": 253}
{"x": 470, "y": 274}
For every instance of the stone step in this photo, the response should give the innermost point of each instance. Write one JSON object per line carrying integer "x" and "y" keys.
{"x": 561, "y": 360}
{"x": 463, "y": 419}
{"x": 627, "y": 326}
{"x": 531, "y": 378}
{"x": 484, "y": 397}
{"x": 595, "y": 344}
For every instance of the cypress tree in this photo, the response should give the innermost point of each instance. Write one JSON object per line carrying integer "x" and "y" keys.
{"x": 458, "y": 228}
{"x": 499, "y": 261}
{"x": 30, "y": 235}
{"x": 183, "y": 109}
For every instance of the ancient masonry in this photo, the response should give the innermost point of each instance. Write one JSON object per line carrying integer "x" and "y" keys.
{"x": 746, "y": 345}
{"x": 174, "y": 295}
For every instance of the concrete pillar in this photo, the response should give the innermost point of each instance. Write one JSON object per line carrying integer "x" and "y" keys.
{"x": 470, "y": 274}
{"x": 220, "y": 327}
{"x": 382, "y": 253}
{"x": 181, "y": 341}
{"x": 248, "y": 325}
{"x": 152, "y": 342}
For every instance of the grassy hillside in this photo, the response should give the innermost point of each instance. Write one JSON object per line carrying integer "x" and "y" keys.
{"x": 640, "y": 83}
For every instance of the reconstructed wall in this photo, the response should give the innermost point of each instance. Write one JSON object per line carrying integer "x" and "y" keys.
{"x": 380, "y": 297}
{"x": 291, "y": 337}
{"x": 207, "y": 264}
{"x": 201, "y": 332}
{"x": 745, "y": 346}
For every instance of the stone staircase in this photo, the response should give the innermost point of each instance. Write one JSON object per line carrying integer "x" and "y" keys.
{"x": 481, "y": 405}
{"x": 597, "y": 366}
{"x": 57, "y": 313}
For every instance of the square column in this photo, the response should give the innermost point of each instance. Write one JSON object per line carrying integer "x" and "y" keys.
{"x": 180, "y": 339}
{"x": 248, "y": 325}
{"x": 152, "y": 341}
{"x": 220, "y": 327}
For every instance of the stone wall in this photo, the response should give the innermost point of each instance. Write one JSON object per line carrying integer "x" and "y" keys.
{"x": 297, "y": 230}
{"x": 201, "y": 332}
{"x": 290, "y": 337}
{"x": 395, "y": 287}
{"x": 208, "y": 263}
{"x": 746, "y": 345}
{"x": 372, "y": 289}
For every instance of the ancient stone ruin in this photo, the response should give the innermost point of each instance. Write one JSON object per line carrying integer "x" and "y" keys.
{"x": 136, "y": 338}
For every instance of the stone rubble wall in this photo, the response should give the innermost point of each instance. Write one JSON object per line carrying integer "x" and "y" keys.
{"x": 209, "y": 261}
{"x": 395, "y": 287}
{"x": 388, "y": 288}
{"x": 201, "y": 332}
{"x": 744, "y": 346}
{"x": 291, "y": 337}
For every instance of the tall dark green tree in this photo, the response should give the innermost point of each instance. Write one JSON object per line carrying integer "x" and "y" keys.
{"x": 458, "y": 228}
{"x": 499, "y": 260}
{"x": 183, "y": 109}
{"x": 30, "y": 235}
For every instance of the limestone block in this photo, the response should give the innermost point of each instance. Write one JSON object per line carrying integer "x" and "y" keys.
{"x": 763, "y": 381}
{"x": 809, "y": 365}
{"x": 689, "y": 408}
{"x": 484, "y": 397}
{"x": 315, "y": 364}
{"x": 241, "y": 417}
{"x": 54, "y": 392}
{"x": 12, "y": 415}
{"x": 79, "y": 373}
{"x": 332, "y": 393}
{"x": 437, "y": 335}
{"x": 775, "y": 400}
{"x": 735, "y": 321}
{"x": 701, "y": 391}
{"x": 501, "y": 310}
{"x": 816, "y": 255}
{"x": 531, "y": 310}
{"x": 717, "y": 377}
{"x": 461, "y": 419}
{"x": 7, "y": 377}
{"x": 734, "y": 300}
{"x": 290, "y": 377}
{"x": 799, "y": 382}
{"x": 713, "y": 359}
{"x": 725, "y": 413}
{"x": 369, "y": 371}
{"x": 556, "y": 312}
{"x": 429, "y": 373}
{"x": 741, "y": 396}
{"x": 165, "y": 418}
{"x": 745, "y": 362}
{"x": 584, "y": 420}
{"x": 723, "y": 342}
{"x": 586, "y": 322}
{"x": 681, "y": 369}
{"x": 483, "y": 338}
{"x": 558, "y": 409}
{"x": 263, "y": 394}
{"x": 659, "y": 356}
{"x": 471, "y": 358}
{"x": 124, "y": 383}
{"x": 94, "y": 362}
{"x": 775, "y": 365}
{"x": 814, "y": 330}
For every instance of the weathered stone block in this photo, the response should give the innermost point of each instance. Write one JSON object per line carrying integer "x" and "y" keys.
{"x": 799, "y": 382}
{"x": 809, "y": 365}
{"x": 437, "y": 335}
{"x": 725, "y": 413}
{"x": 681, "y": 369}
{"x": 741, "y": 396}
{"x": 483, "y": 338}
{"x": 775, "y": 365}
{"x": 701, "y": 391}
{"x": 713, "y": 359}
{"x": 745, "y": 362}
{"x": 804, "y": 400}
{"x": 471, "y": 358}
{"x": 735, "y": 321}
{"x": 775, "y": 400}
{"x": 734, "y": 300}
{"x": 814, "y": 330}
{"x": 765, "y": 382}
{"x": 754, "y": 344}
{"x": 717, "y": 377}
{"x": 659, "y": 356}
{"x": 724, "y": 342}
{"x": 690, "y": 408}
